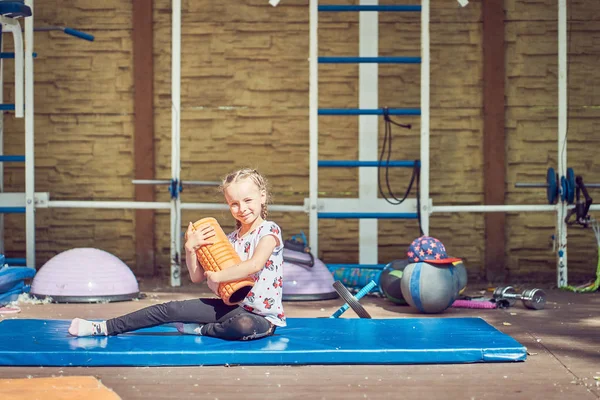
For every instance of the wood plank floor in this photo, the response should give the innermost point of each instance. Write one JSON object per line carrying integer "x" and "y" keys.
{"x": 563, "y": 341}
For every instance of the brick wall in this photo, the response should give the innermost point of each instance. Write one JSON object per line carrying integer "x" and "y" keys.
{"x": 532, "y": 127}
{"x": 245, "y": 102}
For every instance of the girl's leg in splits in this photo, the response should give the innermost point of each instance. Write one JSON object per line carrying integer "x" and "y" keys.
{"x": 195, "y": 310}
{"x": 207, "y": 317}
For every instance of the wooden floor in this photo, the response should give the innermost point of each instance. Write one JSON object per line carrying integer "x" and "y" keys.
{"x": 563, "y": 341}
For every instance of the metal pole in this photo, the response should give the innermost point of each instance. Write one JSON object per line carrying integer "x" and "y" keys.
{"x": 289, "y": 208}
{"x": 175, "y": 129}
{"x": 561, "y": 255}
{"x": 545, "y": 185}
{"x": 29, "y": 141}
{"x": 313, "y": 126}
{"x": 1, "y": 141}
{"x": 368, "y": 98}
{"x": 504, "y": 208}
{"x": 425, "y": 89}
{"x": 155, "y": 205}
{"x": 167, "y": 182}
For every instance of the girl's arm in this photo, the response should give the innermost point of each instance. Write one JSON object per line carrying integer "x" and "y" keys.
{"x": 196, "y": 238}
{"x": 261, "y": 255}
{"x": 194, "y": 268}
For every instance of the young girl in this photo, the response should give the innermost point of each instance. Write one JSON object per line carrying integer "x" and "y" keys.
{"x": 260, "y": 247}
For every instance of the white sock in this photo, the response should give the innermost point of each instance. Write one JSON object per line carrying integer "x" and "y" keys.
{"x": 82, "y": 327}
{"x": 189, "y": 329}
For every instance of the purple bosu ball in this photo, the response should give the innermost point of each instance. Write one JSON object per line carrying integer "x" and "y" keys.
{"x": 306, "y": 278}
{"x": 85, "y": 275}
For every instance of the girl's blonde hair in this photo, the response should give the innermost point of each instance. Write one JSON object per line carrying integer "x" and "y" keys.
{"x": 259, "y": 180}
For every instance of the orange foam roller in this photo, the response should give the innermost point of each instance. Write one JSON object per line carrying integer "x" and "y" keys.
{"x": 219, "y": 256}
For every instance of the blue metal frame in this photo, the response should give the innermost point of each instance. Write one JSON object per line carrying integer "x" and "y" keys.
{"x": 12, "y": 158}
{"x": 350, "y": 215}
{"x": 376, "y": 111}
{"x": 175, "y": 188}
{"x": 343, "y": 8}
{"x": 7, "y": 55}
{"x": 351, "y": 163}
{"x": 374, "y": 60}
{"x": 15, "y": 261}
{"x": 12, "y": 210}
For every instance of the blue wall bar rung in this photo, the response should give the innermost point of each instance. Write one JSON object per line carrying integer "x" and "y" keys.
{"x": 12, "y": 210}
{"x": 6, "y": 55}
{"x": 351, "y": 163}
{"x": 373, "y": 60}
{"x": 350, "y": 215}
{"x": 15, "y": 261}
{"x": 376, "y": 111}
{"x": 12, "y": 158}
{"x": 7, "y": 107}
{"x": 343, "y": 8}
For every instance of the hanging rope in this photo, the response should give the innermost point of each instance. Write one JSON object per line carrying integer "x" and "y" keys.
{"x": 415, "y": 178}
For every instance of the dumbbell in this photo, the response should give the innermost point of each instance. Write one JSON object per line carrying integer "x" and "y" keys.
{"x": 531, "y": 298}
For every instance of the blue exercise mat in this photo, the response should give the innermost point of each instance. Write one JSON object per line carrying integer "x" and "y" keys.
{"x": 30, "y": 342}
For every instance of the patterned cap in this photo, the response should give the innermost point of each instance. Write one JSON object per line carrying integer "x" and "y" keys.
{"x": 429, "y": 250}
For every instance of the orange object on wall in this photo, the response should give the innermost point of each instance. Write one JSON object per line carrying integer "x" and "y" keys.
{"x": 221, "y": 255}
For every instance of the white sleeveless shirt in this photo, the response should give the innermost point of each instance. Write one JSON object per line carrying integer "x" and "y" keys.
{"x": 265, "y": 298}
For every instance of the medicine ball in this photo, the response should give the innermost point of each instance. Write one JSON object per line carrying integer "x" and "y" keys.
{"x": 389, "y": 281}
{"x": 430, "y": 288}
{"x": 461, "y": 272}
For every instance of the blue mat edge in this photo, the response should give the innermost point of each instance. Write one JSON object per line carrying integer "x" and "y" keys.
{"x": 515, "y": 352}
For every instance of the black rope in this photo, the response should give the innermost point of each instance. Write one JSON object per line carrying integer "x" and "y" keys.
{"x": 415, "y": 178}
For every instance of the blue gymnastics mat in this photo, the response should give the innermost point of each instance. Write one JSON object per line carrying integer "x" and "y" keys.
{"x": 305, "y": 341}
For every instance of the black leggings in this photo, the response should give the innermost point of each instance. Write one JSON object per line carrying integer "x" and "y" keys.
{"x": 218, "y": 319}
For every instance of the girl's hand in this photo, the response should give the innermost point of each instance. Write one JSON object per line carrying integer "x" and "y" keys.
{"x": 210, "y": 281}
{"x": 196, "y": 238}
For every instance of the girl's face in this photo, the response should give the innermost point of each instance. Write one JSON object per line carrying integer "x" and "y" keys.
{"x": 245, "y": 201}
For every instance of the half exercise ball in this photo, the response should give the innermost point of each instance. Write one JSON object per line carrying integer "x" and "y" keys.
{"x": 85, "y": 275}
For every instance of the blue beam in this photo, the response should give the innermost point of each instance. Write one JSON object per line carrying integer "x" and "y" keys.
{"x": 343, "y": 8}
{"x": 15, "y": 261}
{"x": 350, "y": 163}
{"x": 12, "y": 158}
{"x": 364, "y": 60}
{"x": 7, "y": 107}
{"x": 12, "y": 210}
{"x": 368, "y": 215}
{"x": 6, "y": 55}
{"x": 376, "y": 111}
